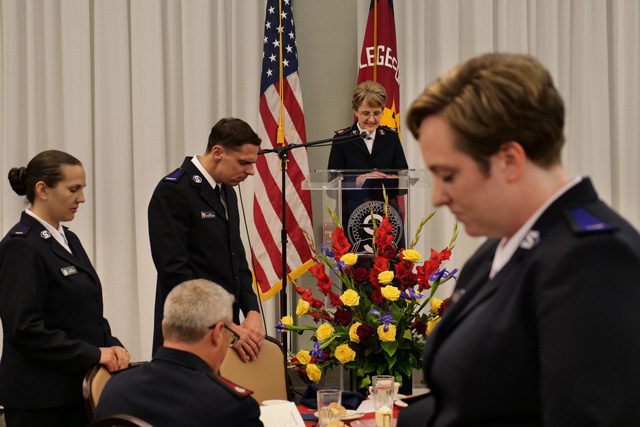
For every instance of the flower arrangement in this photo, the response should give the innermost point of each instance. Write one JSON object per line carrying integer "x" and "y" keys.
{"x": 374, "y": 320}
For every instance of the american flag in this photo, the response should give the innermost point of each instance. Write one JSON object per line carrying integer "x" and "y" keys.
{"x": 280, "y": 108}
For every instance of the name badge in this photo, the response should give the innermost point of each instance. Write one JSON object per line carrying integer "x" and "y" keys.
{"x": 207, "y": 214}
{"x": 69, "y": 271}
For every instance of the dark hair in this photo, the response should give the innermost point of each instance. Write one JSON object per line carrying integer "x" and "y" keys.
{"x": 232, "y": 133}
{"x": 45, "y": 166}
{"x": 493, "y": 99}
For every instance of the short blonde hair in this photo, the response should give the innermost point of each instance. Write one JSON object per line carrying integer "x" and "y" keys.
{"x": 370, "y": 91}
{"x": 192, "y": 307}
{"x": 493, "y": 99}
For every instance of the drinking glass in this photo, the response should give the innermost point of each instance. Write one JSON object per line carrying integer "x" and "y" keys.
{"x": 383, "y": 397}
{"x": 328, "y": 406}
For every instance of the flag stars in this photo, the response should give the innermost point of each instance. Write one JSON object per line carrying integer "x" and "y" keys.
{"x": 280, "y": 29}
{"x": 275, "y": 43}
{"x": 272, "y": 9}
{"x": 286, "y": 1}
{"x": 289, "y": 48}
{"x": 291, "y": 35}
{"x": 284, "y": 15}
{"x": 285, "y": 62}
{"x": 269, "y": 72}
{"x": 266, "y": 40}
{"x": 272, "y": 58}
{"x": 268, "y": 25}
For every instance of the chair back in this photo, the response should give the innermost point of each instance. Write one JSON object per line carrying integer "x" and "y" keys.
{"x": 94, "y": 381}
{"x": 266, "y": 376}
{"x": 120, "y": 420}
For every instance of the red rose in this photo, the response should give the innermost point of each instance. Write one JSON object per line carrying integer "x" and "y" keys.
{"x": 376, "y": 296}
{"x": 364, "y": 332}
{"x": 360, "y": 275}
{"x": 342, "y": 317}
{"x": 443, "y": 307}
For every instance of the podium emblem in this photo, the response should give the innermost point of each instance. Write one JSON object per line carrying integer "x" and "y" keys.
{"x": 360, "y": 225}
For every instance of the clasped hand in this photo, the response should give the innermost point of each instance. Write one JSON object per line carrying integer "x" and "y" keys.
{"x": 114, "y": 358}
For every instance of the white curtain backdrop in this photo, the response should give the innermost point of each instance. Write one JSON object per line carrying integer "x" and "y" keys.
{"x": 131, "y": 86}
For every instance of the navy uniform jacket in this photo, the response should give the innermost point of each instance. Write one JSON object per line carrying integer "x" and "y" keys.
{"x": 51, "y": 309}
{"x": 177, "y": 388}
{"x": 553, "y": 339}
{"x": 386, "y": 153}
{"x": 191, "y": 238}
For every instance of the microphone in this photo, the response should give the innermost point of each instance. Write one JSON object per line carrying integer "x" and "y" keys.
{"x": 340, "y": 139}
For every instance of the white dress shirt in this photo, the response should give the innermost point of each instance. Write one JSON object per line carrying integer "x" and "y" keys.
{"x": 210, "y": 180}
{"x": 57, "y": 234}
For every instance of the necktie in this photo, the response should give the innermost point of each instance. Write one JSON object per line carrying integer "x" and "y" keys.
{"x": 218, "y": 192}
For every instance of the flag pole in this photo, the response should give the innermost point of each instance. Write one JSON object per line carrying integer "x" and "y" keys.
{"x": 375, "y": 40}
{"x": 280, "y": 140}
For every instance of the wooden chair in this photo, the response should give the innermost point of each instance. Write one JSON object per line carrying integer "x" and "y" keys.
{"x": 267, "y": 376}
{"x": 92, "y": 386}
{"x": 120, "y": 420}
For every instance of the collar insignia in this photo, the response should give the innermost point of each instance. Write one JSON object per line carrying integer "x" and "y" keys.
{"x": 197, "y": 179}
{"x": 45, "y": 234}
{"x": 530, "y": 240}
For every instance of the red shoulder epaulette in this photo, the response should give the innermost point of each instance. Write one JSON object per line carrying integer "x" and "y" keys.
{"x": 342, "y": 131}
{"x": 234, "y": 388}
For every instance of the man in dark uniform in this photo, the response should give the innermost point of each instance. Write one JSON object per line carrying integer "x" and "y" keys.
{"x": 194, "y": 228}
{"x": 374, "y": 158}
{"x": 543, "y": 329}
{"x": 180, "y": 386}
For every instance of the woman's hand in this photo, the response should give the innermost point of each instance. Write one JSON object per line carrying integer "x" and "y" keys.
{"x": 362, "y": 178}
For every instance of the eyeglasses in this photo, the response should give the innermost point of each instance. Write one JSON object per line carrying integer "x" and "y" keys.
{"x": 234, "y": 336}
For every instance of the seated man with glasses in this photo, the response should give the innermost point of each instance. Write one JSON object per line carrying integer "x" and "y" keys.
{"x": 180, "y": 386}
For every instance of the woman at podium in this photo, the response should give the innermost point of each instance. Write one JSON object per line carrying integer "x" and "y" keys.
{"x": 372, "y": 157}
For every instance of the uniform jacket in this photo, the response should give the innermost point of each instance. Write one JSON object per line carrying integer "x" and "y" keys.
{"x": 553, "y": 339}
{"x": 51, "y": 310}
{"x": 177, "y": 388}
{"x": 387, "y": 151}
{"x": 191, "y": 238}
{"x": 353, "y": 154}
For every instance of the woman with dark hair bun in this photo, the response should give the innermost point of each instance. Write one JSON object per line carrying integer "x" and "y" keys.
{"x": 50, "y": 301}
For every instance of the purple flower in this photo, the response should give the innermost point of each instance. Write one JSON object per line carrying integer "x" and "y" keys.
{"x": 280, "y": 327}
{"x": 443, "y": 275}
{"x": 316, "y": 351}
{"x": 410, "y": 293}
{"x": 385, "y": 318}
{"x": 327, "y": 252}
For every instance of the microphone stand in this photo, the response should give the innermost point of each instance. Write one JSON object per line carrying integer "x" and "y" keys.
{"x": 283, "y": 154}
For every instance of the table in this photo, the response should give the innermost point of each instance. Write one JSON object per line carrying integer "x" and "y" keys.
{"x": 367, "y": 420}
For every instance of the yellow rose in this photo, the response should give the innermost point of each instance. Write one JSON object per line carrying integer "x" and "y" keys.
{"x": 324, "y": 332}
{"x": 432, "y": 324}
{"x": 353, "y": 332}
{"x": 388, "y": 336}
{"x": 349, "y": 259}
{"x": 385, "y": 277}
{"x": 390, "y": 292}
{"x": 302, "y": 308}
{"x": 435, "y": 304}
{"x": 287, "y": 320}
{"x": 344, "y": 354}
{"x": 411, "y": 255}
{"x": 350, "y": 298}
{"x": 303, "y": 357}
{"x": 313, "y": 372}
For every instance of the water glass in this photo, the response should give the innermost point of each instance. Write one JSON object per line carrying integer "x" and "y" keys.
{"x": 383, "y": 397}
{"x": 329, "y": 401}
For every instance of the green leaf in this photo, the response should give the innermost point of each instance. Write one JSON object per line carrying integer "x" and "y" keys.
{"x": 366, "y": 382}
{"x": 389, "y": 347}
